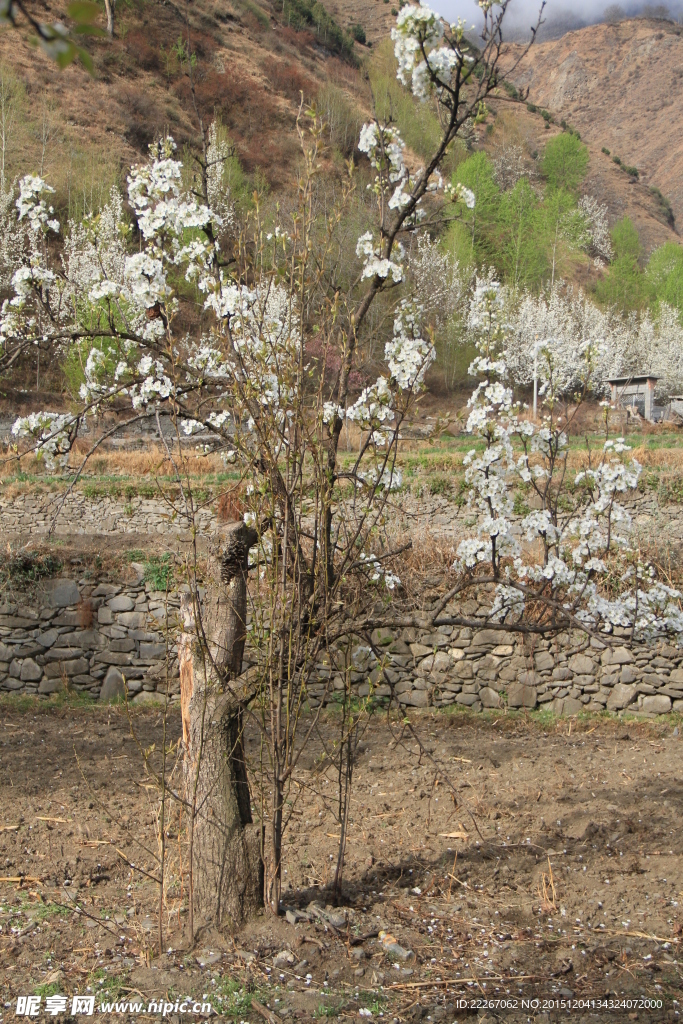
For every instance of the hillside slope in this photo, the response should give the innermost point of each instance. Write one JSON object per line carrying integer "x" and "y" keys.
{"x": 248, "y": 66}
{"x": 621, "y": 86}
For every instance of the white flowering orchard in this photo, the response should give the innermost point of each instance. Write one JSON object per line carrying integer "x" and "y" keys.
{"x": 568, "y": 563}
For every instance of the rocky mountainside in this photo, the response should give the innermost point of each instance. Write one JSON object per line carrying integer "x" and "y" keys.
{"x": 621, "y": 86}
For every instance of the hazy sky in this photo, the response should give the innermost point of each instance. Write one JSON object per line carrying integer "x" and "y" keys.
{"x": 524, "y": 10}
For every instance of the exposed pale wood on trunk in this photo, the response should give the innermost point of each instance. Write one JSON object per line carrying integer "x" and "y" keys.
{"x": 227, "y": 864}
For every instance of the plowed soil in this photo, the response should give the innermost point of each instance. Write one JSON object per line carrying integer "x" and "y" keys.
{"x": 531, "y": 868}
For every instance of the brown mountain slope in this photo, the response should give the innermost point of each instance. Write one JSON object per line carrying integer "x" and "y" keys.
{"x": 374, "y": 15}
{"x": 621, "y": 86}
{"x": 249, "y": 67}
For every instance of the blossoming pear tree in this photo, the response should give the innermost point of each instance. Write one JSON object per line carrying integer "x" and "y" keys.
{"x": 312, "y": 542}
{"x": 567, "y": 564}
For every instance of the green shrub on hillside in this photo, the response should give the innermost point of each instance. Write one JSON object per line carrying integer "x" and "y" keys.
{"x": 565, "y": 162}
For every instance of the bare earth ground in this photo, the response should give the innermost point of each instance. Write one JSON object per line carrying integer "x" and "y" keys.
{"x": 597, "y": 802}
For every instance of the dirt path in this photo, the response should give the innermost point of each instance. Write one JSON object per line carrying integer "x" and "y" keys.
{"x": 559, "y": 875}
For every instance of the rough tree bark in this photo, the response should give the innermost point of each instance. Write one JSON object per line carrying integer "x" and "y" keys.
{"x": 227, "y": 867}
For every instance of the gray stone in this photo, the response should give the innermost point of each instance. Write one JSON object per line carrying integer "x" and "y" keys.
{"x": 135, "y": 619}
{"x": 124, "y": 646}
{"x": 74, "y": 667}
{"x": 416, "y": 698}
{"x": 50, "y": 685}
{"x": 122, "y": 603}
{"x": 16, "y": 684}
{"x": 489, "y": 697}
{"x": 571, "y": 706}
{"x": 529, "y": 678}
{"x": 63, "y": 653}
{"x": 88, "y": 639}
{"x": 105, "y": 590}
{"x": 582, "y": 665}
{"x": 105, "y": 616}
{"x": 678, "y": 705}
{"x": 61, "y": 593}
{"x": 486, "y": 637}
{"x": 48, "y": 638}
{"x": 468, "y": 699}
{"x": 618, "y": 656}
{"x": 420, "y": 651}
{"x": 628, "y": 674}
{"x": 659, "y": 704}
{"x": 147, "y": 697}
{"x": 67, "y": 619}
{"x": 113, "y": 687}
{"x": 676, "y": 676}
{"x": 382, "y": 637}
{"x": 442, "y": 662}
{"x": 15, "y": 669}
{"x": 544, "y": 661}
{"x": 621, "y": 696}
{"x": 655, "y": 680}
{"x": 30, "y": 672}
{"x": 425, "y": 666}
{"x": 522, "y": 696}
{"x": 113, "y": 658}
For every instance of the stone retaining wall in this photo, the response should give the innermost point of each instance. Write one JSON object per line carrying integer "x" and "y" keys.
{"x": 32, "y": 514}
{"x": 86, "y": 636}
{"x": 488, "y": 668}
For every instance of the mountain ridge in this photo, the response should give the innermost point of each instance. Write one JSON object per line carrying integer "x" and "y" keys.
{"x": 603, "y": 80}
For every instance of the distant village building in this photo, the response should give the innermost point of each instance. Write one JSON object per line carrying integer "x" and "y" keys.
{"x": 635, "y": 391}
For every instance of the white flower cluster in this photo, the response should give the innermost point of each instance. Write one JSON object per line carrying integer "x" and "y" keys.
{"x": 378, "y": 572}
{"x": 31, "y": 204}
{"x": 373, "y": 406}
{"x": 408, "y": 356}
{"x": 165, "y": 214}
{"x": 53, "y": 433}
{"x": 565, "y": 331}
{"x": 422, "y": 63}
{"x": 459, "y": 193}
{"x": 597, "y": 218}
{"x": 374, "y": 264}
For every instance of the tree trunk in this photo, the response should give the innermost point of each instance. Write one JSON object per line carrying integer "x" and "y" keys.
{"x": 110, "y": 6}
{"x": 227, "y": 871}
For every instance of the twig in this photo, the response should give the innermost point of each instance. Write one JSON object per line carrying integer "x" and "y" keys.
{"x": 82, "y": 910}
{"x": 134, "y": 867}
{"x": 271, "y": 1017}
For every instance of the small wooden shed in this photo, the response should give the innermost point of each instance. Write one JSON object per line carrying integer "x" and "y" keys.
{"x": 633, "y": 390}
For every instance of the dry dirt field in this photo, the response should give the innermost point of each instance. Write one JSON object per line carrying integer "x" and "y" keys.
{"x": 553, "y": 889}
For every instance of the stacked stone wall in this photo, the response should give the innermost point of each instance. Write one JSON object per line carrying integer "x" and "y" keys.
{"x": 86, "y": 636}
